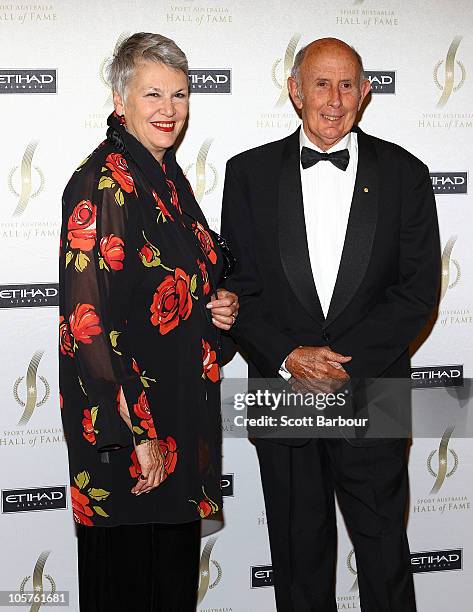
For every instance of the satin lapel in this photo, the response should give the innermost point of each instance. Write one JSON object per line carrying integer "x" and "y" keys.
{"x": 293, "y": 247}
{"x": 360, "y": 229}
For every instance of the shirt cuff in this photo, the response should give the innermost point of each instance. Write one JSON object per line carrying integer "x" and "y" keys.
{"x": 283, "y": 371}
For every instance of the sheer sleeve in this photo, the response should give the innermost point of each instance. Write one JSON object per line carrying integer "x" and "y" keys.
{"x": 98, "y": 272}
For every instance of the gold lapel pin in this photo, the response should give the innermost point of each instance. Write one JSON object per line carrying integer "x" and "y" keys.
{"x": 365, "y": 189}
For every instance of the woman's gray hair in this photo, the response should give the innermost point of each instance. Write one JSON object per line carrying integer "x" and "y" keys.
{"x": 143, "y": 46}
{"x": 296, "y": 68}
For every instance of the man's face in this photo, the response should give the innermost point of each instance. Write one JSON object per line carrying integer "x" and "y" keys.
{"x": 330, "y": 92}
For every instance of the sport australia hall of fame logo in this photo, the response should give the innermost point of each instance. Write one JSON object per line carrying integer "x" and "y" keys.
{"x": 25, "y": 181}
{"x": 449, "y": 74}
{"x": 283, "y": 116}
{"x": 358, "y": 14}
{"x": 38, "y": 589}
{"x": 35, "y": 14}
{"x": 459, "y": 314}
{"x": 22, "y": 215}
{"x": 31, "y": 393}
{"x": 190, "y": 12}
{"x": 25, "y": 389}
{"x": 453, "y": 73}
{"x": 451, "y": 271}
{"x": 202, "y": 174}
{"x": 350, "y": 599}
{"x": 210, "y": 571}
{"x": 442, "y": 464}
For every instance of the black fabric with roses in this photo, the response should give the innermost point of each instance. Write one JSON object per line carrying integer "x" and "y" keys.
{"x": 137, "y": 266}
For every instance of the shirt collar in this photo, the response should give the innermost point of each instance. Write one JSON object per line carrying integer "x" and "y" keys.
{"x": 344, "y": 143}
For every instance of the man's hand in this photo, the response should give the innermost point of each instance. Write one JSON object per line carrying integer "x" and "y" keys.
{"x": 318, "y": 368}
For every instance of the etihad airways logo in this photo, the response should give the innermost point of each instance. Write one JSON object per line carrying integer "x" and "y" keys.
{"x": 437, "y": 561}
{"x": 29, "y": 295}
{"x": 449, "y": 182}
{"x": 33, "y": 500}
{"x": 14, "y": 81}
{"x": 227, "y": 484}
{"x": 261, "y": 576}
{"x": 210, "y": 81}
{"x": 382, "y": 81}
{"x": 437, "y": 376}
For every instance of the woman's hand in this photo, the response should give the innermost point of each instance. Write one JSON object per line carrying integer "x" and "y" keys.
{"x": 224, "y": 309}
{"x": 151, "y": 461}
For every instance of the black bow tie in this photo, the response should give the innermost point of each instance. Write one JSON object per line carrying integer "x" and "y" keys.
{"x": 309, "y": 157}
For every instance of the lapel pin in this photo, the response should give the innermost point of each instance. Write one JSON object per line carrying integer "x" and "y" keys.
{"x": 365, "y": 189}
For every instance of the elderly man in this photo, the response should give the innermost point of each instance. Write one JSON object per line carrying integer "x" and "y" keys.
{"x": 337, "y": 243}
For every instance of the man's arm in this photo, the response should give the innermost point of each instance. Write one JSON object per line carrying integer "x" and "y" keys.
{"x": 379, "y": 338}
{"x": 254, "y": 330}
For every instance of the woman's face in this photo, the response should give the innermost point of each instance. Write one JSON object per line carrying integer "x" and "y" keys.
{"x": 156, "y": 105}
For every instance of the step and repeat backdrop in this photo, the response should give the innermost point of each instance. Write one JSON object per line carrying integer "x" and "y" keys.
{"x": 54, "y": 102}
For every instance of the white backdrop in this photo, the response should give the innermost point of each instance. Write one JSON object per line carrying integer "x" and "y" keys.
{"x": 421, "y": 60}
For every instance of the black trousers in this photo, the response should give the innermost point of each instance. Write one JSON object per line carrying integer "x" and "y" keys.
{"x": 372, "y": 487}
{"x": 140, "y": 568}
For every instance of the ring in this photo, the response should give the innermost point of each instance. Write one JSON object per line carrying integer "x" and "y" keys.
{"x": 142, "y": 477}
{"x": 233, "y": 317}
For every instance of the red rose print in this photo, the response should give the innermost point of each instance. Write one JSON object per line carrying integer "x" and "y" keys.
{"x": 142, "y": 411}
{"x": 169, "y": 450}
{"x": 172, "y": 301}
{"x": 80, "y": 507}
{"x": 174, "y": 198}
{"x": 81, "y": 226}
{"x": 205, "y": 240}
{"x": 84, "y": 323}
{"x": 206, "y": 506}
{"x": 150, "y": 255}
{"x": 205, "y": 277}
{"x": 210, "y": 367}
{"x": 204, "y": 509}
{"x": 88, "y": 433}
{"x": 112, "y": 251}
{"x": 117, "y": 164}
{"x": 147, "y": 253}
{"x": 162, "y": 207}
{"x": 65, "y": 340}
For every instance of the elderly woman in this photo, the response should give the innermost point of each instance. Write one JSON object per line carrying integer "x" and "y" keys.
{"x": 140, "y": 324}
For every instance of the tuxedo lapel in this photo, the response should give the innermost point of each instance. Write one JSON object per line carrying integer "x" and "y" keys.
{"x": 293, "y": 246}
{"x": 360, "y": 229}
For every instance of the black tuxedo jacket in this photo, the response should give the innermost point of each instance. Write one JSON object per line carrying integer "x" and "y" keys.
{"x": 387, "y": 283}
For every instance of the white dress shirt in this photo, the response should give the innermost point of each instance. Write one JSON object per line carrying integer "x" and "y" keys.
{"x": 327, "y": 193}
